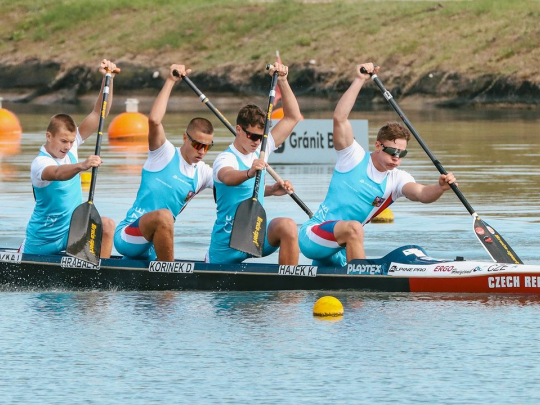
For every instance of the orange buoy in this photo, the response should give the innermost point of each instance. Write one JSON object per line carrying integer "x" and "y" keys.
{"x": 10, "y": 132}
{"x": 130, "y": 124}
{"x": 277, "y": 114}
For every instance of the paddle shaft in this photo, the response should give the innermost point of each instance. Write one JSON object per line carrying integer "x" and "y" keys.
{"x": 267, "y": 121}
{"x": 388, "y": 96}
{"x": 226, "y": 122}
{"x": 86, "y": 228}
{"x": 106, "y": 90}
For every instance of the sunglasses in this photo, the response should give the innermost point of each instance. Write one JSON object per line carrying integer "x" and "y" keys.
{"x": 398, "y": 153}
{"x": 252, "y": 136}
{"x": 198, "y": 145}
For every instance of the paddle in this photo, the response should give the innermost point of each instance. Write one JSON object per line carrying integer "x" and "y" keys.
{"x": 249, "y": 226}
{"x": 224, "y": 120}
{"x": 492, "y": 241}
{"x": 86, "y": 228}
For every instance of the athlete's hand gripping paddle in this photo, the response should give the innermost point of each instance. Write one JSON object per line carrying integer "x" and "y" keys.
{"x": 86, "y": 228}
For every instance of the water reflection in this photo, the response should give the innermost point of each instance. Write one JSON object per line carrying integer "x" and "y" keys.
{"x": 127, "y": 153}
{"x": 69, "y": 303}
{"x": 10, "y": 144}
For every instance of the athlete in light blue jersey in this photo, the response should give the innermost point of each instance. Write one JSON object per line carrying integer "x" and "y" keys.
{"x": 362, "y": 186}
{"x": 171, "y": 177}
{"x": 234, "y": 173}
{"x": 56, "y": 182}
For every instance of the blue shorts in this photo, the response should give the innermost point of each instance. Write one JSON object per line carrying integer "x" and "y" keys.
{"x": 51, "y": 248}
{"x": 317, "y": 242}
{"x": 225, "y": 254}
{"x": 129, "y": 241}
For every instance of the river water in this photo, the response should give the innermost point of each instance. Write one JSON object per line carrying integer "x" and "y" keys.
{"x": 67, "y": 347}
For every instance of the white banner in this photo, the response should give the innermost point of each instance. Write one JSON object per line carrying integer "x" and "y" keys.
{"x": 312, "y": 142}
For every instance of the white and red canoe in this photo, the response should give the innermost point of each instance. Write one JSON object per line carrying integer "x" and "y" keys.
{"x": 407, "y": 269}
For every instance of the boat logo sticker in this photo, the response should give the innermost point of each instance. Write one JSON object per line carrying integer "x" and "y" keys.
{"x": 171, "y": 267}
{"x": 490, "y": 229}
{"x": 405, "y": 268}
{"x": 304, "y": 271}
{"x": 10, "y": 257}
{"x": 76, "y": 263}
{"x": 414, "y": 251}
{"x": 479, "y": 230}
{"x": 364, "y": 268}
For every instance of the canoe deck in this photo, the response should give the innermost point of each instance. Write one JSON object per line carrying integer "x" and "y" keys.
{"x": 407, "y": 269}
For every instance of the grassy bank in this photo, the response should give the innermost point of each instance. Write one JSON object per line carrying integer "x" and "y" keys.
{"x": 404, "y": 37}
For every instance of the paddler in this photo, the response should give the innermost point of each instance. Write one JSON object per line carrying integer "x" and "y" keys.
{"x": 362, "y": 186}
{"x": 234, "y": 178}
{"x": 56, "y": 181}
{"x": 171, "y": 177}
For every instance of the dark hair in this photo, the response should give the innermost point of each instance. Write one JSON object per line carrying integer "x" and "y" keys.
{"x": 200, "y": 125}
{"x": 59, "y": 122}
{"x": 250, "y": 115}
{"x": 392, "y": 131}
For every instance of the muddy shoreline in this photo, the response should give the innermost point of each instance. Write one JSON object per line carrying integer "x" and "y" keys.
{"x": 49, "y": 82}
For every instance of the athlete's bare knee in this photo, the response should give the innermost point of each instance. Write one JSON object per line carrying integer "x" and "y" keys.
{"x": 108, "y": 226}
{"x": 356, "y": 230}
{"x": 283, "y": 230}
{"x": 159, "y": 222}
{"x": 349, "y": 231}
{"x": 163, "y": 217}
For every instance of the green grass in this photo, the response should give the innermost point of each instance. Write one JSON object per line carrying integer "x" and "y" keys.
{"x": 415, "y": 37}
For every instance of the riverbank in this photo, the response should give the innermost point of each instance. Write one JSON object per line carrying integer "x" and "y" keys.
{"x": 447, "y": 53}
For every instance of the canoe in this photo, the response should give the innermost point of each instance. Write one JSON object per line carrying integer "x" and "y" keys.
{"x": 406, "y": 269}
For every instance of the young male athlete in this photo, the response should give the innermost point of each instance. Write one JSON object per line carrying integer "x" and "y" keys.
{"x": 234, "y": 179}
{"x": 171, "y": 177}
{"x": 56, "y": 181}
{"x": 363, "y": 185}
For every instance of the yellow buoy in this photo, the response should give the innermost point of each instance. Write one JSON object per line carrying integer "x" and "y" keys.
{"x": 328, "y": 306}
{"x": 86, "y": 177}
{"x": 130, "y": 124}
{"x": 384, "y": 217}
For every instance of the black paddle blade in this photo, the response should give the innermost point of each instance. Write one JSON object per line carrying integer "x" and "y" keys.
{"x": 494, "y": 243}
{"x": 249, "y": 228}
{"x": 85, "y": 233}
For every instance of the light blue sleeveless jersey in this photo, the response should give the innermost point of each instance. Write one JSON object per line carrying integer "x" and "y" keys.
{"x": 52, "y": 214}
{"x": 167, "y": 188}
{"x": 228, "y": 198}
{"x": 351, "y": 195}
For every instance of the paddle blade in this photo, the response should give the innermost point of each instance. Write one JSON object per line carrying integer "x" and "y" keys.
{"x": 494, "y": 243}
{"x": 249, "y": 228}
{"x": 85, "y": 233}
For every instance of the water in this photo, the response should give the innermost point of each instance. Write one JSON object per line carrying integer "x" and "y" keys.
{"x": 67, "y": 347}
{"x": 267, "y": 348}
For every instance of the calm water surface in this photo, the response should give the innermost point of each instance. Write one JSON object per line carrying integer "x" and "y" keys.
{"x": 172, "y": 347}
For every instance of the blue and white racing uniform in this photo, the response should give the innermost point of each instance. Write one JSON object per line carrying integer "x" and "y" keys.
{"x": 357, "y": 191}
{"x": 48, "y": 229}
{"x": 167, "y": 182}
{"x": 228, "y": 198}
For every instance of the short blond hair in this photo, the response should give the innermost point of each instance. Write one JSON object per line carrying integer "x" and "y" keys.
{"x": 59, "y": 122}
